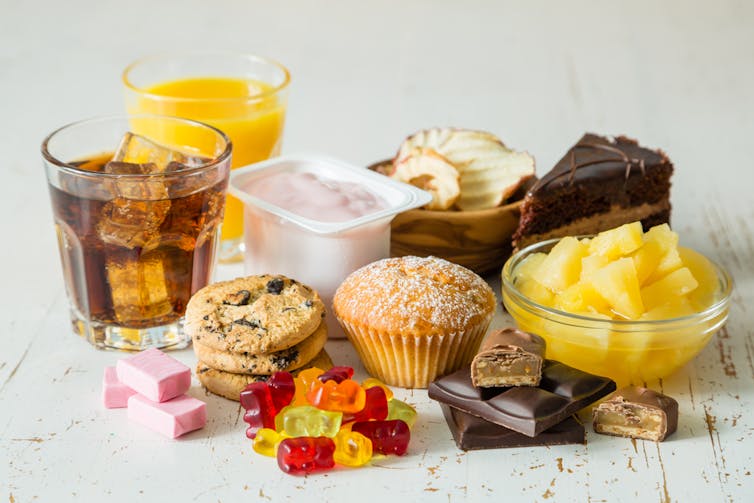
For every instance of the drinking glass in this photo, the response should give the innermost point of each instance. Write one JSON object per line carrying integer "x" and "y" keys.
{"x": 243, "y": 95}
{"x": 138, "y": 235}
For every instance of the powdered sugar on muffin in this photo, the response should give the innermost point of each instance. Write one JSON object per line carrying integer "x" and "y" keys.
{"x": 415, "y": 294}
{"x": 412, "y": 319}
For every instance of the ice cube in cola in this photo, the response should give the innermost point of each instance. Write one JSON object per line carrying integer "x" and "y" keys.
{"x": 138, "y": 206}
{"x": 136, "y": 149}
{"x": 144, "y": 249}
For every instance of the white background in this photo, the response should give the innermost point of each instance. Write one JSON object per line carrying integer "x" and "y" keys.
{"x": 677, "y": 75}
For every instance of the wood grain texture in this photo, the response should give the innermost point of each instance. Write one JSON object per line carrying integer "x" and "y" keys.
{"x": 479, "y": 240}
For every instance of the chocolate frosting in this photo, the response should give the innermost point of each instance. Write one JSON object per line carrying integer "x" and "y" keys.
{"x": 600, "y": 158}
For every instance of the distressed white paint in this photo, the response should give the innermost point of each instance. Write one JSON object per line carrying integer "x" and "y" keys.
{"x": 675, "y": 74}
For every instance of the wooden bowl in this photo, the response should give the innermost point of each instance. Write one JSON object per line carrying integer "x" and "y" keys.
{"x": 479, "y": 240}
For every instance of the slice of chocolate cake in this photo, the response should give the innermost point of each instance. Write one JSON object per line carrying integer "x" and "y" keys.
{"x": 601, "y": 183}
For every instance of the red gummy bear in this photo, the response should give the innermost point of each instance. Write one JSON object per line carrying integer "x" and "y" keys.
{"x": 374, "y": 408}
{"x": 337, "y": 374}
{"x": 303, "y": 455}
{"x": 282, "y": 388}
{"x": 260, "y": 410}
{"x": 388, "y": 437}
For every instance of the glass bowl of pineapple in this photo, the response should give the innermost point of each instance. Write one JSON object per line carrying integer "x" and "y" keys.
{"x": 625, "y": 304}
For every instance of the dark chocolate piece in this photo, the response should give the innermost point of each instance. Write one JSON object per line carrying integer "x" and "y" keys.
{"x": 471, "y": 432}
{"x": 563, "y": 391}
{"x": 637, "y": 413}
{"x": 600, "y": 183}
{"x": 508, "y": 357}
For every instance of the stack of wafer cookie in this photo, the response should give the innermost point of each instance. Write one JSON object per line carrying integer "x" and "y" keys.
{"x": 246, "y": 329}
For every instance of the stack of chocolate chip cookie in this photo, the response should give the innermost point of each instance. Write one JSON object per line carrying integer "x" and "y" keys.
{"x": 246, "y": 329}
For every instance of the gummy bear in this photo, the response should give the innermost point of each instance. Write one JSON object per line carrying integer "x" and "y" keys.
{"x": 282, "y": 387}
{"x": 266, "y": 442}
{"x": 310, "y": 375}
{"x": 305, "y": 454}
{"x": 308, "y": 421}
{"x": 388, "y": 437}
{"x": 260, "y": 410}
{"x": 303, "y": 383}
{"x": 337, "y": 374}
{"x": 346, "y": 396}
{"x": 372, "y": 382}
{"x": 375, "y": 407}
{"x": 401, "y": 410}
{"x": 299, "y": 395}
{"x": 352, "y": 449}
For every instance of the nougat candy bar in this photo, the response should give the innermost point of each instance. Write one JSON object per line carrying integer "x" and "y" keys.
{"x": 508, "y": 357}
{"x": 637, "y": 413}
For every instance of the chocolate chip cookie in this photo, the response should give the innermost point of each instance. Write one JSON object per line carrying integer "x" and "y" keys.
{"x": 258, "y": 314}
{"x": 230, "y": 385}
{"x": 247, "y": 363}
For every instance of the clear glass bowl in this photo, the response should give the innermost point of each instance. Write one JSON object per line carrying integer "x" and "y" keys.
{"x": 629, "y": 352}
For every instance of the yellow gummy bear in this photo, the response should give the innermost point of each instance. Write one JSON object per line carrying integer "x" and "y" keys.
{"x": 352, "y": 448}
{"x": 266, "y": 442}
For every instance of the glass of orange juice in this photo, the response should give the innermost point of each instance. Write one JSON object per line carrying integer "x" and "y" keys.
{"x": 243, "y": 95}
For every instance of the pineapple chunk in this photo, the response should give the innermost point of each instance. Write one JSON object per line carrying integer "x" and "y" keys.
{"x": 667, "y": 241}
{"x": 676, "y": 284}
{"x": 532, "y": 290}
{"x": 704, "y": 272}
{"x": 662, "y": 235}
{"x": 617, "y": 242}
{"x": 670, "y": 262}
{"x": 581, "y": 297}
{"x": 591, "y": 263}
{"x": 562, "y": 266}
{"x": 621, "y": 274}
{"x": 529, "y": 265}
{"x": 673, "y": 309}
{"x": 618, "y": 285}
{"x": 647, "y": 258}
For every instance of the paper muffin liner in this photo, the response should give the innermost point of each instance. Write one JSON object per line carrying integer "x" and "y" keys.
{"x": 410, "y": 361}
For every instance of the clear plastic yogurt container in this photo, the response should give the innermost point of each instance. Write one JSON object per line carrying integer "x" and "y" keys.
{"x": 317, "y": 252}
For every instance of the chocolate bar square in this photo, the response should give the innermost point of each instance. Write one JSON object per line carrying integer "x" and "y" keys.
{"x": 472, "y": 432}
{"x": 562, "y": 391}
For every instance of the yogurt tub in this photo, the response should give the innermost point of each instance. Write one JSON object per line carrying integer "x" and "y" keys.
{"x": 318, "y": 219}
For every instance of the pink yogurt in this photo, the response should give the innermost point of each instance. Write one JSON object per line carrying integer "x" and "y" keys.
{"x": 314, "y": 197}
{"x": 316, "y": 219}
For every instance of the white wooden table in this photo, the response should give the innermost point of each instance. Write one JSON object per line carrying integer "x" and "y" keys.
{"x": 675, "y": 74}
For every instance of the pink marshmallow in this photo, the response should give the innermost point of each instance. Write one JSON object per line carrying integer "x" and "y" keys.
{"x": 155, "y": 375}
{"x": 172, "y": 418}
{"x": 114, "y": 393}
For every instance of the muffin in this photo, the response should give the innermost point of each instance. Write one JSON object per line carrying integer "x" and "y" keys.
{"x": 412, "y": 319}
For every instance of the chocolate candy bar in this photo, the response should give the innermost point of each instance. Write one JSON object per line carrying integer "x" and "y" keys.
{"x": 562, "y": 391}
{"x": 471, "y": 432}
{"x": 508, "y": 357}
{"x": 637, "y": 413}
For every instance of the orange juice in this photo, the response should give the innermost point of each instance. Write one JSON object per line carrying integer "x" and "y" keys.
{"x": 250, "y": 112}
